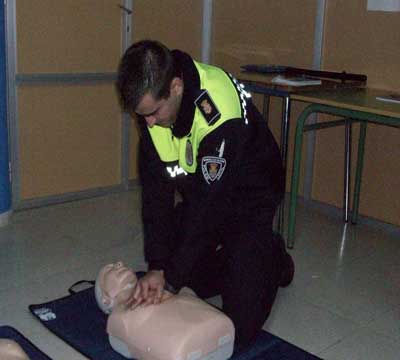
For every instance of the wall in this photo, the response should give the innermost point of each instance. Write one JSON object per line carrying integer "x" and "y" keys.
{"x": 257, "y": 31}
{"x": 68, "y": 136}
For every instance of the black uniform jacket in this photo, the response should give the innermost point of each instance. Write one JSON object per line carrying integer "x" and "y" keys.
{"x": 252, "y": 182}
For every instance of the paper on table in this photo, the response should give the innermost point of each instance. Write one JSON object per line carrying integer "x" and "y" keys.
{"x": 383, "y": 5}
{"x": 296, "y": 81}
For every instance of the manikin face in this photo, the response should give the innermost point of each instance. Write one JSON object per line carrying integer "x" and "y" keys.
{"x": 117, "y": 282}
{"x": 162, "y": 112}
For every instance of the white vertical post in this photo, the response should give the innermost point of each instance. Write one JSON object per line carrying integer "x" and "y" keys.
{"x": 5, "y": 186}
{"x": 125, "y": 117}
{"x": 206, "y": 31}
{"x": 317, "y": 62}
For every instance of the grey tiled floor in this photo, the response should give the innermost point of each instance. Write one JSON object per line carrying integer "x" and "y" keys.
{"x": 344, "y": 302}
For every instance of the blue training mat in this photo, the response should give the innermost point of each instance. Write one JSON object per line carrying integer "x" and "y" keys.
{"x": 77, "y": 320}
{"x": 7, "y": 332}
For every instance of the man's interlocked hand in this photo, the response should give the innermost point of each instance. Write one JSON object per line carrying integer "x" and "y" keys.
{"x": 149, "y": 289}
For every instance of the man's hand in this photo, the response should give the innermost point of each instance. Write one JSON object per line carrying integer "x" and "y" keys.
{"x": 150, "y": 288}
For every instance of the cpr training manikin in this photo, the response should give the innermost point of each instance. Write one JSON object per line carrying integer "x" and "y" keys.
{"x": 10, "y": 350}
{"x": 181, "y": 327}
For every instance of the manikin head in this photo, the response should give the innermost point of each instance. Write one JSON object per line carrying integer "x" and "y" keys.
{"x": 10, "y": 350}
{"x": 114, "y": 286}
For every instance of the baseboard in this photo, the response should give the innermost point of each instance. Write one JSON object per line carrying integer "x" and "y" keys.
{"x": 5, "y": 218}
{"x": 336, "y": 212}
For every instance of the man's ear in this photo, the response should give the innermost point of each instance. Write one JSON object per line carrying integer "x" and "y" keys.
{"x": 176, "y": 86}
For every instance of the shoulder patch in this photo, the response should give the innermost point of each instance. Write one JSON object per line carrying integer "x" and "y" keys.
{"x": 207, "y": 107}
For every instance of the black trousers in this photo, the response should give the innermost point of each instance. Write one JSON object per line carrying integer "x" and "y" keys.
{"x": 245, "y": 271}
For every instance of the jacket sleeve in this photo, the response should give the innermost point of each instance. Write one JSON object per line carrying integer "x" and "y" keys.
{"x": 157, "y": 204}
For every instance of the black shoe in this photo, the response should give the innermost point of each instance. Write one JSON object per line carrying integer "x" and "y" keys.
{"x": 287, "y": 273}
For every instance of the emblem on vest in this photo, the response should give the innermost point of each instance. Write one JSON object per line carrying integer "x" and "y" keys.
{"x": 207, "y": 107}
{"x": 212, "y": 167}
{"x": 189, "y": 153}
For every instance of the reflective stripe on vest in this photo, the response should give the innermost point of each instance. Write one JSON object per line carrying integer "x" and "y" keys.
{"x": 175, "y": 171}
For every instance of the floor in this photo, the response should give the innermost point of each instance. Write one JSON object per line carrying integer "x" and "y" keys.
{"x": 344, "y": 302}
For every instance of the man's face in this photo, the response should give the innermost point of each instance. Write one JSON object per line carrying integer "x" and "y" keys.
{"x": 162, "y": 112}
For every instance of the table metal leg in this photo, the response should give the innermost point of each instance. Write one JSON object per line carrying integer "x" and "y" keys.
{"x": 296, "y": 174}
{"x": 347, "y": 170}
{"x": 265, "y": 111}
{"x": 284, "y": 150}
{"x": 360, "y": 164}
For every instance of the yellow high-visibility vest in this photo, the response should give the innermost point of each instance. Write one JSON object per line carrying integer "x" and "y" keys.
{"x": 221, "y": 99}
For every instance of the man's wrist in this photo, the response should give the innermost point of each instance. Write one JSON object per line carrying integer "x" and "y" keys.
{"x": 167, "y": 285}
{"x": 159, "y": 266}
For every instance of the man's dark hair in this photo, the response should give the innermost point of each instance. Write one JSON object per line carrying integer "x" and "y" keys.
{"x": 146, "y": 67}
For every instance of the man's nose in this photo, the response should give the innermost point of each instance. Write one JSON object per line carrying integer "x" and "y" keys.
{"x": 151, "y": 121}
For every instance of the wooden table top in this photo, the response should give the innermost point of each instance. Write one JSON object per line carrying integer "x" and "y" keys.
{"x": 265, "y": 80}
{"x": 362, "y": 99}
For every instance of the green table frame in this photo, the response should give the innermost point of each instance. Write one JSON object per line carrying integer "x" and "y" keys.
{"x": 355, "y": 115}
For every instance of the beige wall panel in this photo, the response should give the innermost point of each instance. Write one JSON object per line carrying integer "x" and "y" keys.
{"x": 176, "y": 23}
{"x": 133, "y": 153}
{"x": 70, "y": 139}
{"x": 364, "y": 42}
{"x": 259, "y": 31}
{"x": 380, "y": 192}
{"x": 68, "y": 36}
{"x": 265, "y": 32}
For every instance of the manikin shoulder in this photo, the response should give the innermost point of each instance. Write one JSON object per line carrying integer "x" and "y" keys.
{"x": 11, "y": 350}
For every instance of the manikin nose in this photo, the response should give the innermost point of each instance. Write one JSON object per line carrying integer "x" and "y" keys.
{"x": 151, "y": 121}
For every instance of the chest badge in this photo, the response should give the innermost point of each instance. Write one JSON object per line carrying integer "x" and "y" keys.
{"x": 189, "y": 153}
{"x": 212, "y": 167}
{"x": 207, "y": 107}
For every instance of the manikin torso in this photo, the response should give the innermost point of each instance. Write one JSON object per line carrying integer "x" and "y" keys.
{"x": 182, "y": 327}
{"x": 10, "y": 350}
